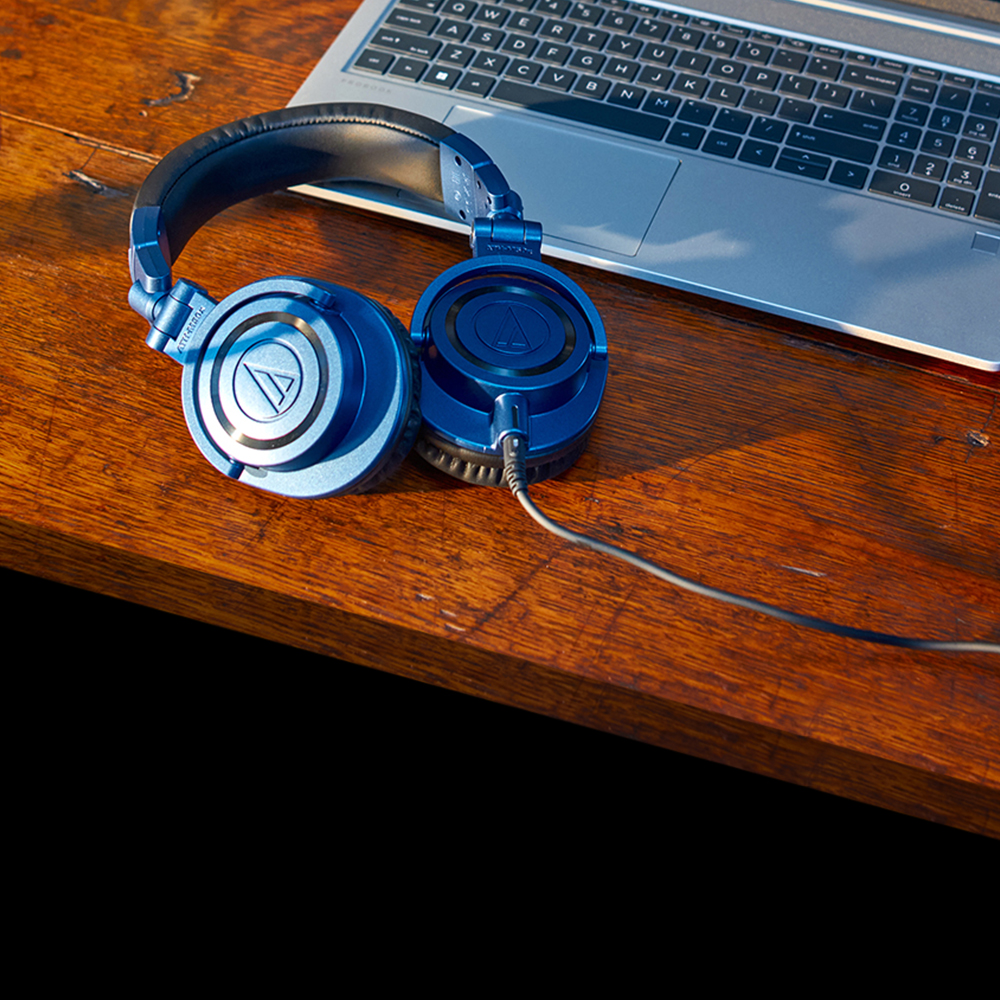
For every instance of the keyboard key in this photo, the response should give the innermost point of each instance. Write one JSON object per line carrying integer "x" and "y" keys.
{"x": 755, "y": 52}
{"x": 800, "y": 86}
{"x": 873, "y": 79}
{"x": 849, "y": 175}
{"x": 579, "y": 110}
{"x": 722, "y": 45}
{"x": 621, "y": 46}
{"x": 660, "y": 104}
{"x": 988, "y": 206}
{"x": 722, "y": 144}
{"x": 688, "y": 37}
{"x": 850, "y": 123}
{"x": 373, "y": 62}
{"x": 832, "y": 93}
{"x": 476, "y": 83}
{"x": 407, "y": 69}
{"x": 935, "y": 142}
{"x": 987, "y": 105}
{"x": 726, "y": 93}
{"x": 517, "y": 45}
{"x": 898, "y": 160}
{"x": 586, "y": 12}
{"x": 769, "y": 128}
{"x": 972, "y": 151}
{"x": 760, "y": 153}
{"x": 920, "y": 90}
{"x": 907, "y": 188}
{"x": 954, "y": 98}
{"x": 844, "y": 147}
{"x": 965, "y": 177}
{"x": 662, "y": 55}
{"x": 930, "y": 167}
{"x": 457, "y": 55}
{"x": 795, "y": 62}
{"x": 796, "y": 110}
{"x": 552, "y": 52}
{"x": 694, "y": 62}
{"x": 827, "y": 69}
{"x": 400, "y": 41}
{"x": 690, "y": 86}
{"x": 764, "y": 79}
{"x": 757, "y": 100}
{"x": 946, "y": 121}
{"x": 904, "y": 135}
{"x": 954, "y": 200}
{"x": 803, "y": 164}
{"x": 912, "y": 113}
{"x": 696, "y": 112}
{"x": 443, "y": 76}
{"x": 653, "y": 76}
{"x": 590, "y": 61}
{"x": 733, "y": 121}
{"x": 490, "y": 62}
{"x": 687, "y": 136}
{"x": 458, "y": 8}
{"x": 559, "y": 79}
{"x": 621, "y": 69}
{"x": 980, "y": 129}
{"x": 412, "y": 20}
{"x": 871, "y": 103}
{"x": 648, "y": 28}
{"x": 592, "y": 86}
{"x": 626, "y": 96}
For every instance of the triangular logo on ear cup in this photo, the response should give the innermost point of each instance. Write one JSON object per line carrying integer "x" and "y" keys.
{"x": 510, "y": 336}
{"x": 279, "y": 387}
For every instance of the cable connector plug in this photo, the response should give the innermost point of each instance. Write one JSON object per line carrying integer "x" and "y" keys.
{"x": 515, "y": 462}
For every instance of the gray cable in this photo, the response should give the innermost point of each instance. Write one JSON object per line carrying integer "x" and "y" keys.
{"x": 515, "y": 471}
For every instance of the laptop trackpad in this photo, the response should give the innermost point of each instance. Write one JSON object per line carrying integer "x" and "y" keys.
{"x": 611, "y": 199}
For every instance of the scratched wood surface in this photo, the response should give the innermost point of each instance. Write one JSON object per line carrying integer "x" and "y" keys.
{"x": 756, "y": 454}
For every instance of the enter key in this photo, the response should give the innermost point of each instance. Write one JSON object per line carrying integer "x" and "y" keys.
{"x": 989, "y": 199}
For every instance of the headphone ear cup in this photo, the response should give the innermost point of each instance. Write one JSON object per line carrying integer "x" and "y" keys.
{"x": 507, "y": 344}
{"x": 302, "y": 388}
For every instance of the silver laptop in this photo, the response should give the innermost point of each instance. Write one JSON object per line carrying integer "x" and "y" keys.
{"x": 828, "y": 160}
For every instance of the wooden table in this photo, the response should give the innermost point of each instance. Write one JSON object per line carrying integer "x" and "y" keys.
{"x": 760, "y": 455}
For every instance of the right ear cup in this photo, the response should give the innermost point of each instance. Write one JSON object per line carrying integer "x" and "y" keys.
{"x": 302, "y": 388}
{"x": 507, "y": 344}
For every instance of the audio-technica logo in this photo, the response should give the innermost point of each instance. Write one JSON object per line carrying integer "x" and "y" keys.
{"x": 520, "y": 329}
{"x": 278, "y": 387}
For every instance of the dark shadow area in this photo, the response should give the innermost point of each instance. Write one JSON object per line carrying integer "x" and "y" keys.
{"x": 175, "y": 728}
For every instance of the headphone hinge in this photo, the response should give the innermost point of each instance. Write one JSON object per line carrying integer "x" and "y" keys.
{"x": 508, "y": 236}
{"x": 177, "y": 316}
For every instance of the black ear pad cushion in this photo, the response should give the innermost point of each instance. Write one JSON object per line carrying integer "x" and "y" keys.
{"x": 413, "y": 421}
{"x": 469, "y": 467}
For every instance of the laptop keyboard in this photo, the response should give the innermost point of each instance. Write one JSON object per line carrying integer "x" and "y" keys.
{"x": 821, "y": 111}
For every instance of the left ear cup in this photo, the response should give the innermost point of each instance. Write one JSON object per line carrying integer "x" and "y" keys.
{"x": 301, "y": 388}
{"x": 507, "y": 344}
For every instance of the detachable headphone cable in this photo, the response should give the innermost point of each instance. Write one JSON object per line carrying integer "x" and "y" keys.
{"x": 515, "y": 471}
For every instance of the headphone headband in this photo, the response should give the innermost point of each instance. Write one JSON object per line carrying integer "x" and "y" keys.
{"x": 308, "y": 144}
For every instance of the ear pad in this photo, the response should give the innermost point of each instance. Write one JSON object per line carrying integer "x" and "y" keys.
{"x": 507, "y": 345}
{"x": 301, "y": 387}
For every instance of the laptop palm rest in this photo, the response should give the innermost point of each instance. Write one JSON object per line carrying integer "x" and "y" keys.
{"x": 586, "y": 179}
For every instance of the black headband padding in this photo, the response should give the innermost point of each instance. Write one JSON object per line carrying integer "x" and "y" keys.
{"x": 279, "y": 149}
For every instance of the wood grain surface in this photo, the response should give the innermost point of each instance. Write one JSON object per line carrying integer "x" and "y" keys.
{"x": 844, "y": 480}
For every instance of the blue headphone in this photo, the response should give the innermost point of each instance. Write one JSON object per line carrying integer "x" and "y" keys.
{"x": 308, "y": 389}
